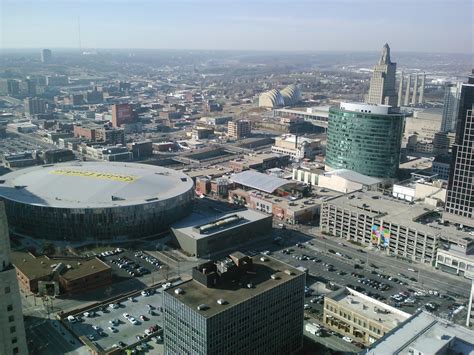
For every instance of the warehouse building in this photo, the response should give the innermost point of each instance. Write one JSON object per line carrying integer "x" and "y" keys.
{"x": 46, "y": 275}
{"x": 237, "y": 305}
{"x": 202, "y": 236}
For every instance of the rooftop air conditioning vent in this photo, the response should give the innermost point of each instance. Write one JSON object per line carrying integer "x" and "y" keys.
{"x": 263, "y": 259}
{"x": 289, "y": 272}
{"x": 275, "y": 277}
{"x": 202, "y": 307}
{"x": 250, "y": 285}
{"x": 179, "y": 291}
{"x": 221, "y": 301}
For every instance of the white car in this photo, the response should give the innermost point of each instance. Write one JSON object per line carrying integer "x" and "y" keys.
{"x": 113, "y": 305}
{"x": 349, "y": 340}
{"x": 144, "y": 293}
{"x": 126, "y": 315}
{"x": 86, "y": 314}
{"x": 166, "y": 285}
{"x": 133, "y": 320}
{"x": 95, "y": 327}
{"x": 112, "y": 329}
{"x": 72, "y": 319}
{"x": 114, "y": 321}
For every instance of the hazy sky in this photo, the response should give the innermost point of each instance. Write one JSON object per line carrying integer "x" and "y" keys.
{"x": 362, "y": 25}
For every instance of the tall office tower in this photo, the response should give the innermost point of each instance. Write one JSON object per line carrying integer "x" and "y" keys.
{"x": 415, "y": 90}
{"x": 28, "y": 87}
{"x": 34, "y": 106}
{"x": 452, "y": 94}
{"x": 354, "y": 136}
{"x": 421, "y": 98}
{"x": 407, "y": 91}
{"x": 238, "y": 305}
{"x": 382, "y": 84}
{"x": 122, "y": 113}
{"x": 46, "y": 56}
{"x": 238, "y": 129}
{"x": 12, "y": 329}
{"x": 400, "y": 91}
{"x": 459, "y": 206}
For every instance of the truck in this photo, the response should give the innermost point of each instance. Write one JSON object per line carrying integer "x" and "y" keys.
{"x": 313, "y": 329}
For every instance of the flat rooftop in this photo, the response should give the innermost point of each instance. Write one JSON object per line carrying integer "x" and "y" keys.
{"x": 376, "y": 205}
{"x": 210, "y": 171}
{"x": 370, "y": 308}
{"x": 426, "y": 333}
{"x": 93, "y": 184}
{"x": 319, "y": 195}
{"x": 41, "y": 266}
{"x": 190, "y": 224}
{"x": 232, "y": 292}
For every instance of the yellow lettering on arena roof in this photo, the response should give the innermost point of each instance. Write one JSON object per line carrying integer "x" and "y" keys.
{"x": 96, "y": 175}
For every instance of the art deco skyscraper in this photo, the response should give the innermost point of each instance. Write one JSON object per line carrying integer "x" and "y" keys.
{"x": 382, "y": 85}
{"x": 460, "y": 196}
{"x": 12, "y": 329}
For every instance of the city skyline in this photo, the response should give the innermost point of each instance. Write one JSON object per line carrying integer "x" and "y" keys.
{"x": 188, "y": 24}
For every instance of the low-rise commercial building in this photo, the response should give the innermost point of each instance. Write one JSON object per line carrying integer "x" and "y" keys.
{"x": 360, "y": 317}
{"x": 425, "y": 333}
{"x": 308, "y": 175}
{"x": 347, "y": 181}
{"x": 241, "y": 304}
{"x": 262, "y": 161}
{"x": 412, "y": 231}
{"x": 430, "y": 192}
{"x": 45, "y": 275}
{"x": 290, "y": 209}
{"x": 200, "y": 235}
{"x": 297, "y": 147}
{"x": 455, "y": 260}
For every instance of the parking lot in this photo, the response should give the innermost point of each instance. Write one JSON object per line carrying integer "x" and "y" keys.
{"x": 123, "y": 324}
{"x": 373, "y": 280}
{"x": 126, "y": 264}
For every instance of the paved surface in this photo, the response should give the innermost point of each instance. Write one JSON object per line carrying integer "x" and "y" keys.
{"x": 428, "y": 277}
{"x": 126, "y": 331}
{"x": 332, "y": 341}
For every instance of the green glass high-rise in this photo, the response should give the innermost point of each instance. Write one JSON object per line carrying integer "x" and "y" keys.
{"x": 364, "y": 138}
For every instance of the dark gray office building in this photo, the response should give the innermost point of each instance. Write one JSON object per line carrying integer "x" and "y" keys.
{"x": 459, "y": 206}
{"x": 238, "y": 305}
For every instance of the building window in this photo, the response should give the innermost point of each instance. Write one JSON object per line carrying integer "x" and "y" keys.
{"x": 11, "y": 319}
{"x": 14, "y": 340}
{"x": 10, "y": 308}
{"x": 12, "y": 329}
{"x": 16, "y": 350}
{"x": 7, "y": 289}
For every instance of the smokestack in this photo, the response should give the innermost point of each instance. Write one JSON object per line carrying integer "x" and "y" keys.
{"x": 407, "y": 91}
{"x": 400, "y": 91}
{"x": 421, "y": 99}
{"x": 296, "y": 141}
{"x": 415, "y": 89}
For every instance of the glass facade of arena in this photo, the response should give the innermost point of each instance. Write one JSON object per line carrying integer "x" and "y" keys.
{"x": 117, "y": 222}
{"x": 367, "y": 143}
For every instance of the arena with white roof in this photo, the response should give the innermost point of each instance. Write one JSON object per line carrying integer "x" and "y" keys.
{"x": 94, "y": 200}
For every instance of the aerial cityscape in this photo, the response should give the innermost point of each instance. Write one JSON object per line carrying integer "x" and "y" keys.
{"x": 210, "y": 181}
